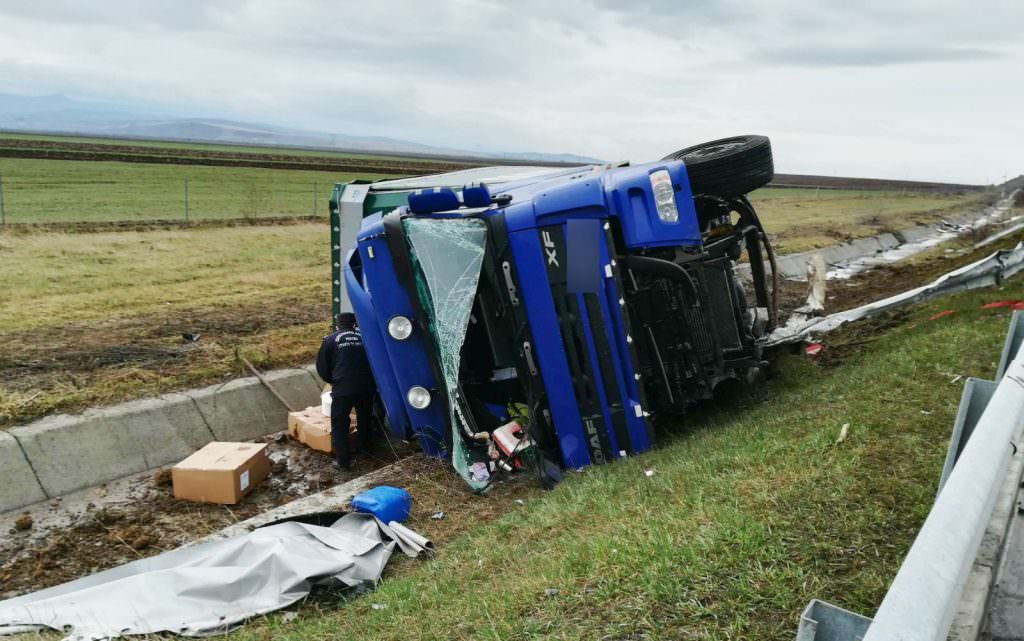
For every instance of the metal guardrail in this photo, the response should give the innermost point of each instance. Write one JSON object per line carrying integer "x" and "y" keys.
{"x": 924, "y": 597}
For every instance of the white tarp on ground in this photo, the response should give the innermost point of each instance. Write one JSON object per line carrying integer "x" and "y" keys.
{"x": 211, "y": 587}
{"x": 986, "y": 272}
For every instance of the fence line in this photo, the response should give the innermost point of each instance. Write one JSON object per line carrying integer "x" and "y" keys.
{"x": 44, "y": 200}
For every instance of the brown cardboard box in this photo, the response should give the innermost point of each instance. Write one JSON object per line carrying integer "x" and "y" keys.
{"x": 221, "y": 472}
{"x": 311, "y": 427}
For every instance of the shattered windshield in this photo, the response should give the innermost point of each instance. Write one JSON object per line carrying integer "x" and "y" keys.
{"x": 449, "y": 254}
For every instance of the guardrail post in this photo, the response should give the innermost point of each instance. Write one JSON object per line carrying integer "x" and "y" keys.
{"x": 314, "y": 199}
{"x": 2, "y": 218}
{"x": 186, "y": 201}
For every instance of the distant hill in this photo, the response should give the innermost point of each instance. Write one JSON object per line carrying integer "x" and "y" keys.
{"x": 61, "y": 114}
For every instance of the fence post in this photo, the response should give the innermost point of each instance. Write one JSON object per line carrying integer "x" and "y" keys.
{"x": 314, "y": 198}
{"x": 186, "y": 201}
{"x": 2, "y": 218}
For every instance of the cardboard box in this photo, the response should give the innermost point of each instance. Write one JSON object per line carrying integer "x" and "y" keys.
{"x": 311, "y": 427}
{"x": 221, "y": 472}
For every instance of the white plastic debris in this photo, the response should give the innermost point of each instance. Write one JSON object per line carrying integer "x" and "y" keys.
{"x": 843, "y": 431}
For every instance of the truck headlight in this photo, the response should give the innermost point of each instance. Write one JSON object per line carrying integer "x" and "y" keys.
{"x": 399, "y": 327}
{"x": 418, "y": 397}
{"x": 664, "y": 196}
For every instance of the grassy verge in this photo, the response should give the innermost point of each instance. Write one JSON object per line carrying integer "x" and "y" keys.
{"x": 801, "y": 219}
{"x": 753, "y": 508}
{"x": 52, "y": 191}
{"x": 91, "y": 319}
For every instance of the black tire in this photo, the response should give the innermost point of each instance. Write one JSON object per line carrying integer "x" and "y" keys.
{"x": 728, "y": 167}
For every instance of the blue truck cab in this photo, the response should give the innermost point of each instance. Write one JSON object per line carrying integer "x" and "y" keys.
{"x": 582, "y": 302}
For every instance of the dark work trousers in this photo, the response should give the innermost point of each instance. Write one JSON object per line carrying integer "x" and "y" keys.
{"x": 341, "y": 408}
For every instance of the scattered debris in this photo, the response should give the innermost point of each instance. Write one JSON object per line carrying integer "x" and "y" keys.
{"x": 437, "y": 516}
{"x": 520, "y": 502}
{"x": 648, "y": 473}
{"x": 288, "y": 617}
{"x": 945, "y": 312}
{"x": 956, "y": 379}
{"x": 813, "y": 349}
{"x": 842, "y": 433}
{"x": 379, "y": 606}
{"x": 926, "y": 412}
{"x": 23, "y": 522}
{"x": 1001, "y": 303}
{"x": 551, "y": 592}
{"x": 817, "y": 273}
{"x": 984, "y": 272}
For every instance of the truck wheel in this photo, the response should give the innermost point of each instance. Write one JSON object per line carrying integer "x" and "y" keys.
{"x": 728, "y": 167}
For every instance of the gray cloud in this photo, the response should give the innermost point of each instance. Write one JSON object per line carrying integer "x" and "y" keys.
{"x": 868, "y": 56}
{"x": 599, "y": 77}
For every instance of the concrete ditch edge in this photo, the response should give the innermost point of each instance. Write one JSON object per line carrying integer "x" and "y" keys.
{"x": 59, "y": 454}
{"x": 20, "y": 484}
{"x": 795, "y": 265}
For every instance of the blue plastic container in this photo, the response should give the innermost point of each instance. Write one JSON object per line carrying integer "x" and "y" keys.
{"x": 385, "y": 502}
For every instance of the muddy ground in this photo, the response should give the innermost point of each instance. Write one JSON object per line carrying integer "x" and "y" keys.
{"x": 137, "y": 517}
{"x": 189, "y": 345}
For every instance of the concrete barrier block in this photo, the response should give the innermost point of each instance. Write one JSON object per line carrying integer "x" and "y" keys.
{"x": 316, "y": 377}
{"x": 792, "y": 267}
{"x": 165, "y": 429}
{"x": 914, "y": 234}
{"x": 296, "y": 386}
{"x": 18, "y": 485}
{"x": 240, "y": 410}
{"x": 888, "y": 241}
{"x": 73, "y": 452}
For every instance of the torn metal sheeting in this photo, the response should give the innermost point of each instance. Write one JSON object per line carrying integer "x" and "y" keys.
{"x": 988, "y": 271}
{"x": 212, "y": 587}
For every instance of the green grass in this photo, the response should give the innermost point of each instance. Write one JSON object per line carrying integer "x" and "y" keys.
{"x": 753, "y": 509}
{"x": 800, "y": 219}
{"x": 53, "y": 191}
{"x": 87, "y": 297}
{"x": 110, "y": 275}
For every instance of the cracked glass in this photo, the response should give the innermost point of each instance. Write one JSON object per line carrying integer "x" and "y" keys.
{"x": 449, "y": 254}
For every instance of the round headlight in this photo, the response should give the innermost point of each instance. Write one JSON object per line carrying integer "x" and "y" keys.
{"x": 418, "y": 397}
{"x": 400, "y": 328}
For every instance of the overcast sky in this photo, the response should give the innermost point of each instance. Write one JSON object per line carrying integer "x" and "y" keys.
{"x": 924, "y": 90}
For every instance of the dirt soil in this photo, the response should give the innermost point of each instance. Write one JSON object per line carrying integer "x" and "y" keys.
{"x": 138, "y": 517}
{"x": 65, "y": 358}
{"x": 66, "y": 150}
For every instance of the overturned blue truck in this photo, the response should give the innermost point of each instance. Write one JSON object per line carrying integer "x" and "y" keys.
{"x": 543, "y": 317}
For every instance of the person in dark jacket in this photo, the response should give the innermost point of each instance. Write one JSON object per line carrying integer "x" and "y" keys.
{"x": 342, "y": 362}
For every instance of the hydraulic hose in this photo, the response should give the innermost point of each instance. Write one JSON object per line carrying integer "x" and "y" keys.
{"x": 743, "y": 206}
